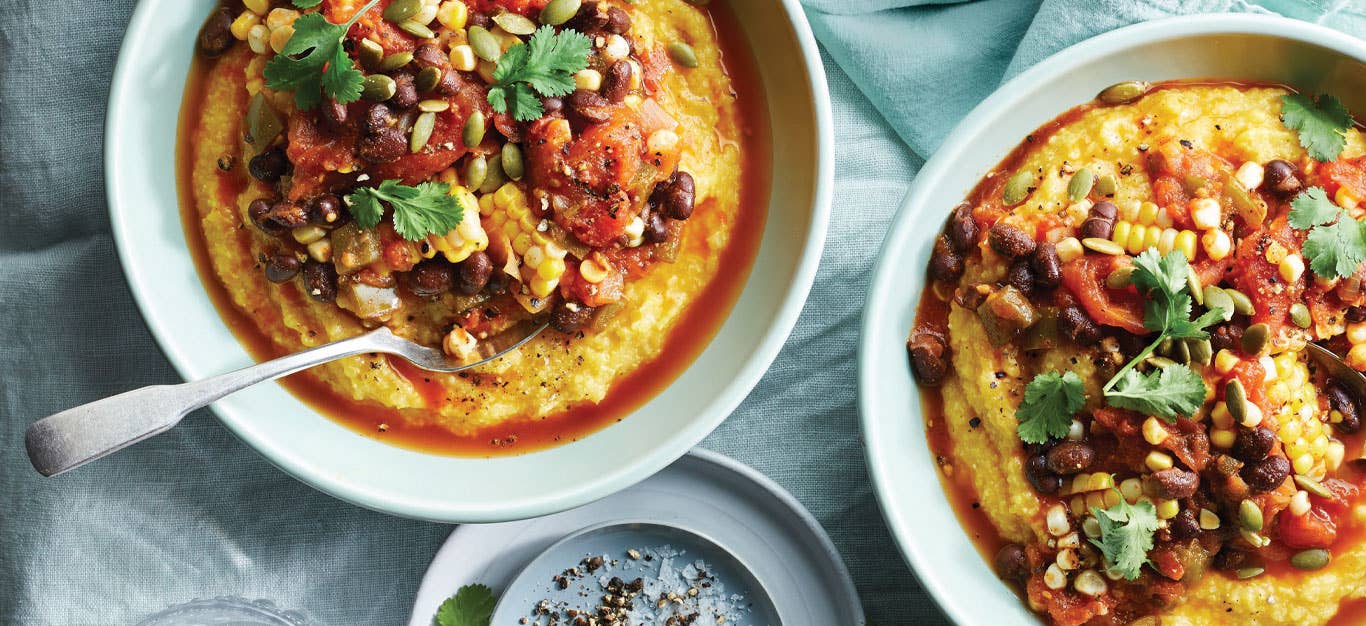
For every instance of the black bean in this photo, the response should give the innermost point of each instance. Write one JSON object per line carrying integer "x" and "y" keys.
{"x": 477, "y": 19}
{"x": 1340, "y": 400}
{"x": 474, "y": 273}
{"x": 378, "y": 118}
{"x": 1037, "y": 473}
{"x": 1020, "y": 276}
{"x": 1254, "y": 444}
{"x": 1230, "y": 559}
{"x": 590, "y": 106}
{"x": 452, "y": 83}
{"x": 1012, "y": 563}
{"x": 618, "y": 21}
{"x": 617, "y": 83}
{"x": 1266, "y": 474}
{"x": 325, "y": 210}
{"x": 334, "y": 113}
{"x": 1175, "y": 483}
{"x": 386, "y": 146}
{"x": 1046, "y": 265}
{"x": 588, "y": 18}
{"x": 962, "y": 229}
{"x": 677, "y": 201}
{"x": 570, "y": 317}
{"x": 929, "y": 358}
{"x": 1226, "y": 337}
{"x": 215, "y": 37}
{"x": 945, "y": 264}
{"x": 288, "y": 214}
{"x": 1010, "y": 241}
{"x": 1282, "y": 177}
{"x": 552, "y": 104}
{"x": 1077, "y": 326}
{"x": 320, "y": 280}
{"x": 656, "y": 229}
{"x": 1070, "y": 457}
{"x": 1097, "y": 228}
{"x": 1184, "y": 526}
{"x": 1356, "y": 313}
{"x": 405, "y": 91}
{"x": 282, "y": 267}
{"x": 430, "y": 55}
{"x": 1105, "y": 210}
{"x": 259, "y": 212}
{"x": 269, "y": 166}
{"x": 431, "y": 278}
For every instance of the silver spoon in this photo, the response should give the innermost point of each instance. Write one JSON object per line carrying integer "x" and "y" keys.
{"x": 79, "y": 435}
{"x": 1354, "y": 381}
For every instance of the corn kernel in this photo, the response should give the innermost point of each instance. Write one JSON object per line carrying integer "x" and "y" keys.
{"x": 1068, "y": 559}
{"x": 1290, "y": 431}
{"x": 460, "y": 344}
{"x": 616, "y": 48}
{"x": 281, "y": 17}
{"x": 1334, "y": 455}
{"x": 1252, "y": 415}
{"x": 1356, "y": 357}
{"x": 1185, "y": 242}
{"x": 521, "y": 243}
{"x": 661, "y": 141}
{"x": 1111, "y": 498}
{"x": 1220, "y": 415}
{"x": 1121, "y": 233}
{"x": 1205, "y": 213}
{"x": 1303, "y": 463}
{"x": 588, "y": 79}
{"x": 1054, "y": 578}
{"x": 1152, "y": 237}
{"x": 1131, "y": 489}
{"x": 1346, "y": 199}
{"x": 279, "y": 37}
{"x": 1069, "y": 248}
{"x": 534, "y": 257}
{"x": 1138, "y": 233}
{"x": 1128, "y": 211}
{"x": 1078, "y": 506}
{"x": 1222, "y": 438}
{"x": 1095, "y": 500}
{"x": 592, "y": 271}
{"x": 1167, "y": 241}
{"x": 1299, "y": 503}
{"x": 1250, "y": 175}
{"x": 1217, "y": 244}
{"x": 426, "y": 14}
{"x": 320, "y": 250}
{"x": 1158, "y": 461}
{"x": 242, "y": 25}
{"x": 1291, "y": 267}
{"x": 551, "y": 269}
{"x": 1147, "y": 213}
{"x": 453, "y": 14}
{"x": 1167, "y": 509}
{"x": 462, "y": 56}
{"x": 258, "y": 39}
{"x": 1153, "y": 431}
{"x": 1225, "y": 361}
{"x": 259, "y": 7}
{"x": 542, "y": 287}
{"x": 636, "y": 74}
{"x": 1356, "y": 332}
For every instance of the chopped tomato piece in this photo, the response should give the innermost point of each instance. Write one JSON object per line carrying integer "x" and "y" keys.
{"x": 574, "y": 288}
{"x": 1169, "y": 194}
{"x": 370, "y": 26}
{"x": 1349, "y": 174}
{"x": 1085, "y": 278}
{"x": 398, "y": 253}
{"x": 1260, "y": 279}
{"x": 1315, "y": 529}
{"x": 316, "y": 152}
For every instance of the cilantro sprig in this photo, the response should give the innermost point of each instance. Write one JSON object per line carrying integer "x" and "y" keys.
{"x": 427, "y": 209}
{"x": 1126, "y": 535}
{"x": 472, "y": 605}
{"x": 1050, "y": 401}
{"x": 308, "y": 4}
{"x": 1321, "y": 122}
{"x": 1336, "y": 245}
{"x": 313, "y": 63}
{"x": 1175, "y": 389}
{"x": 545, "y": 65}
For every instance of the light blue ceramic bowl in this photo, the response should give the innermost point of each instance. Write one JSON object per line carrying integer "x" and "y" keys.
{"x": 140, "y": 172}
{"x": 1280, "y": 50}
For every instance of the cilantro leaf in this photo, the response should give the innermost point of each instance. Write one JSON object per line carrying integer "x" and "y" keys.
{"x": 1322, "y": 123}
{"x": 1336, "y": 245}
{"x": 1312, "y": 208}
{"x": 427, "y": 209}
{"x": 544, "y": 65}
{"x": 1164, "y": 281}
{"x": 1126, "y": 535}
{"x": 1165, "y": 392}
{"x": 313, "y": 63}
{"x": 472, "y": 605}
{"x": 307, "y": 4}
{"x": 1050, "y": 401}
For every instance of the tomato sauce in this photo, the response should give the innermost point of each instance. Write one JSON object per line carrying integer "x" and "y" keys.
{"x": 687, "y": 339}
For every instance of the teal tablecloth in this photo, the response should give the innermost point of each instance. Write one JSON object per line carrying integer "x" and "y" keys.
{"x": 194, "y": 513}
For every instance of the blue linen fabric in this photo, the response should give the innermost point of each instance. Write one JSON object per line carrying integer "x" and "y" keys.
{"x": 194, "y": 513}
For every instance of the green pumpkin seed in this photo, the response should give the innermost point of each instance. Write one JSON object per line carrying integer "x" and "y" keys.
{"x": 1250, "y": 572}
{"x": 427, "y": 79}
{"x": 495, "y": 177}
{"x": 1312, "y": 486}
{"x": 1160, "y": 362}
{"x": 434, "y": 105}
{"x": 1250, "y": 516}
{"x": 557, "y": 12}
{"x": 484, "y": 44}
{"x": 1249, "y": 206}
{"x": 1201, "y": 351}
{"x": 1299, "y": 314}
{"x": 512, "y": 162}
{"x": 1103, "y": 246}
{"x": 1253, "y": 539}
{"x": 1125, "y": 92}
{"x": 683, "y": 54}
{"x": 473, "y": 133}
{"x": 1107, "y": 185}
{"x": 417, "y": 30}
{"x": 378, "y": 87}
{"x": 1120, "y": 278}
{"x": 514, "y": 23}
{"x": 422, "y": 131}
{"x": 1216, "y": 298}
{"x": 400, "y": 10}
{"x": 395, "y": 61}
{"x": 476, "y": 170}
{"x": 1080, "y": 185}
{"x": 369, "y": 53}
{"x": 263, "y": 122}
{"x": 1235, "y": 396}
{"x": 1255, "y": 338}
{"x": 1242, "y": 305}
{"x": 1317, "y": 558}
{"x": 1193, "y": 285}
{"x": 1017, "y": 188}
{"x": 1181, "y": 352}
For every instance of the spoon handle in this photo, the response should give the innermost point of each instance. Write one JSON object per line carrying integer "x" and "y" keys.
{"x": 79, "y": 435}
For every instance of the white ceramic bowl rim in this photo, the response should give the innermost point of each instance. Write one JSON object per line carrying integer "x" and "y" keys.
{"x": 349, "y": 488}
{"x": 907, "y": 531}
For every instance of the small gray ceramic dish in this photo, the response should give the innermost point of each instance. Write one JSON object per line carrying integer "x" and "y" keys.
{"x": 727, "y": 502}
{"x": 1237, "y": 47}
